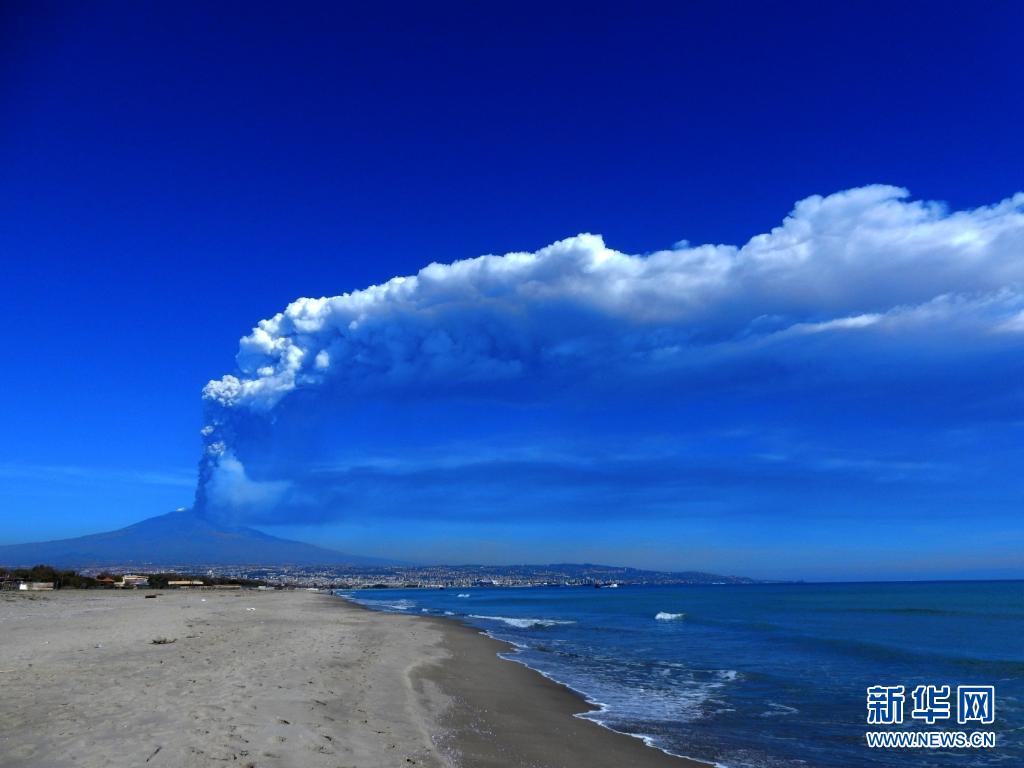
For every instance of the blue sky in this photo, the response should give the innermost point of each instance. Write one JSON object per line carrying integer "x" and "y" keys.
{"x": 173, "y": 176}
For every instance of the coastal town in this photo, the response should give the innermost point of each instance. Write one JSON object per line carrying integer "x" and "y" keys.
{"x": 135, "y": 575}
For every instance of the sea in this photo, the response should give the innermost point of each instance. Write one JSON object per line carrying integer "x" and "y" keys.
{"x": 761, "y": 675}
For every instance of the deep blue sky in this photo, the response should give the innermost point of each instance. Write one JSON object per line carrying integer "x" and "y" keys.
{"x": 173, "y": 173}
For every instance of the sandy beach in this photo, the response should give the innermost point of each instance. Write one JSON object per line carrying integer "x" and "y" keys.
{"x": 274, "y": 679}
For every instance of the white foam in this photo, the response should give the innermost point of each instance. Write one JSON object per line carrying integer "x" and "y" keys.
{"x": 523, "y": 623}
{"x": 519, "y": 646}
{"x": 779, "y": 710}
{"x": 663, "y": 616}
{"x": 388, "y": 605}
{"x": 463, "y": 594}
{"x": 600, "y": 714}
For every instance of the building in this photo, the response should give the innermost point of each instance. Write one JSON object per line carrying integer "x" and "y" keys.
{"x": 132, "y": 581}
{"x": 185, "y": 583}
{"x": 36, "y": 586}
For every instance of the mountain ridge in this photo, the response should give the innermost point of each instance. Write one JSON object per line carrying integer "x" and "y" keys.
{"x": 181, "y": 537}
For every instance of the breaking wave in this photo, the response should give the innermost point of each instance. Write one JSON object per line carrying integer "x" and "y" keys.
{"x": 523, "y": 623}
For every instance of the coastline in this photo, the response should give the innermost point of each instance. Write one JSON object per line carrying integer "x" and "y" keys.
{"x": 503, "y": 713}
{"x": 277, "y": 679}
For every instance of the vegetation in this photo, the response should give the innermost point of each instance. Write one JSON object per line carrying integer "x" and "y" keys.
{"x": 159, "y": 580}
{"x": 48, "y": 573}
{"x": 73, "y": 579}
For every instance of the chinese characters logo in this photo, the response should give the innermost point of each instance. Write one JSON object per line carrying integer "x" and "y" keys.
{"x": 931, "y": 704}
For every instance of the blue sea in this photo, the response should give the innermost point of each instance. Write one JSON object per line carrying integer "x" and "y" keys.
{"x": 759, "y": 676}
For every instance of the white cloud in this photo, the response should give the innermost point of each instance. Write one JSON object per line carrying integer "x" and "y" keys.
{"x": 866, "y": 260}
{"x": 1013, "y": 324}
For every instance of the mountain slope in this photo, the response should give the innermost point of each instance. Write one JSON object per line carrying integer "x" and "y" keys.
{"x": 177, "y": 538}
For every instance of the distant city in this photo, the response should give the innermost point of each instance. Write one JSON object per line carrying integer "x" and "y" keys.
{"x": 434, "y": 576}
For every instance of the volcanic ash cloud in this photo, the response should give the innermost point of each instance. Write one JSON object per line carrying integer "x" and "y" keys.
{"x": 861, "y": 274}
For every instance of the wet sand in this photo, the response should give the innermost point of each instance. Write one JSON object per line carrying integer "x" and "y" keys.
{"x": 501, "y": 713}
{"x": 274, "y": 679}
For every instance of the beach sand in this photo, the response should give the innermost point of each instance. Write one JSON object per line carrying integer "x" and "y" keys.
{"x": 274, "y": 679}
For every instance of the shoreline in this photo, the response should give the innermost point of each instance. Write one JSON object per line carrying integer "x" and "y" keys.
{"x": 505, "y": 713}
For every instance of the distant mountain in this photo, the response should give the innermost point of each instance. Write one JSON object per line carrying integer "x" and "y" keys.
{"x": 178, "y": 538}
{"x": 584, "y": 572}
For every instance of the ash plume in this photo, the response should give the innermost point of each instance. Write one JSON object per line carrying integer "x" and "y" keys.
{"x": 845, "y": 281}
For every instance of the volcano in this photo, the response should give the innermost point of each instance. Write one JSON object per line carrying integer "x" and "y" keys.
{"x": 177, "y": 538}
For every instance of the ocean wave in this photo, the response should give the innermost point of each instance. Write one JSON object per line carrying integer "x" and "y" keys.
{"x": 523, "y": 623}
{"x": 663, "y": 616}
{"x": 463, "y": 594}
{"x": 387, "y": 605}
{"x": 778, "y": 710}
{"x": 518, "y": 647}
{"x": 626, "y": 706}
